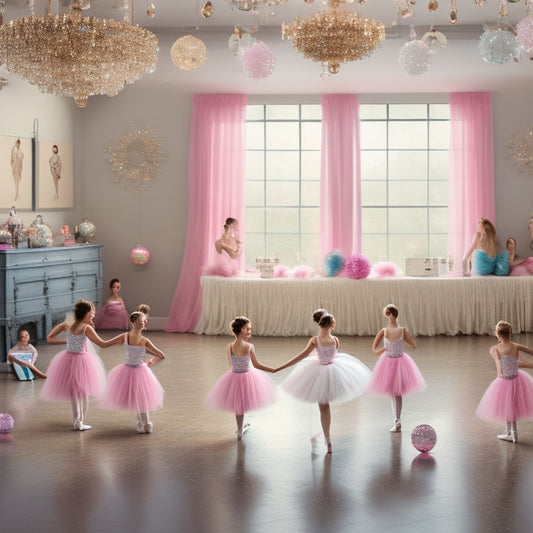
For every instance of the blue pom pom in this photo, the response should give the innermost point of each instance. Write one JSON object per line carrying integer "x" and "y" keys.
{"x": 333, "y": 263}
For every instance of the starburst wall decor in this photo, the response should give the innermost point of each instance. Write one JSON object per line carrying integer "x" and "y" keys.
{"x": 520, "y": 148}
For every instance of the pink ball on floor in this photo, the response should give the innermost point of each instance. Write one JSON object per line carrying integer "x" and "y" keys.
{"x": 424, "y": 438}
{"x": 6, "y": 425}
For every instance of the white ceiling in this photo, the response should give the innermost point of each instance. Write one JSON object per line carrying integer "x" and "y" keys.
{"x": 458, "y": 67}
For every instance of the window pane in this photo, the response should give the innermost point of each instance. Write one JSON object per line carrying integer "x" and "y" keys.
{"x": 373, "y": 135}
{"x": 438, "y": 245}
{"x": 255, "y": 247}
{"x": 374, "y": 165}
{"x": 438, "y": 165}
{"x": 438, "y": 220}
{"x": 312, "y": 111}
{"x": 255, "y": 112}
{"x": 375, "y": 247}
{"x": 372, "y": 111}
{"x": 284, "y": 246}
{"x": 255, "y": 165}
{"x": 255, "y": 193}
{"x": 282, "y": 136}
{"x": 439, "y": 135}
{"x": 310, "y": 220}
{"x": 374, "y": 220}
{"x": 408, "y": 220}
{"x": 408, "y": 192}
{"x": 282, "y": 165}
{"x": 405, "y": 135}
{"x": 374, "y": 193}
{"x": 311, "y": 193}
{"x": 438, "y": 193}
{"x": 412, "y": 165}
{"x": 409, "y": 111}
{"x": 310, "y": 250}
{"x": 310, "y": 162}
{"x": 282, "y": 193}
{"x": 282, "y": 112}
{"x": 282, "y": 220}
{"x": 255, "y": 137}
{"x": 311, "y": 135}
{"x": 403, "y": 246}
{"x": 255, "y": 220}
{"x": 441, "y": 111}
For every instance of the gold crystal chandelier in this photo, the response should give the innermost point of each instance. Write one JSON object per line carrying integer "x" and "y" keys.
{"x": 334, "y": 36}
{"x": 248, "y": 5}
{"x": 77, "y": 56}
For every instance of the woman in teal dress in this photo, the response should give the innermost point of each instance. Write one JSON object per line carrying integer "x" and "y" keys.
{"x": 486, "y": 255}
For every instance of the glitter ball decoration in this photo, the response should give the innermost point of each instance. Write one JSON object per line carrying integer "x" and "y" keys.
{"x": 258, "y": 61}
{"x": 6, "y": 423}
{"x": 39, "y": 233}
{"x": 433, "y": 40}
{"x": 333, "y": 263}
{"x": 499, "y": 44}
{"x": 424, "y": 438}
{"x": 357, "y": 266}
{"x": 86, "y": 231}
{"x": 414, "y": 58}
{"x": 524, "y": 33}
{"x": 521, "y": 149}
{"x": 188, "y": 53}
{"x": 139, "y": 255}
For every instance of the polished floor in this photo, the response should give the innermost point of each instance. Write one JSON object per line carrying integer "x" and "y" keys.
{"x": 191, "y": 474}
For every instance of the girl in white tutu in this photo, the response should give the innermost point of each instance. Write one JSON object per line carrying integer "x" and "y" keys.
{"x": 76, "y": 373}
{"x": 327, "y": 376}
{"x": 395, "y": 374}
{"x": 510, "y": 396}
{"x": 132, "y": 386}
{"x": 243, "y": 388}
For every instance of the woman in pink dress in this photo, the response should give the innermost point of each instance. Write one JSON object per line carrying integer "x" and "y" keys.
{"x": 510, "y": 396}
{"x": 244, "y": 388}
{"x": 132, "y": 386}
{"x": 395, "y": 374}
{"x": 76, "y": 373}
{"x": 113, "y": 314}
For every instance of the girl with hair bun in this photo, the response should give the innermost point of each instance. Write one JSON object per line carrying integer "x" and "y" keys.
{"x": 132, "y": 386}
{"x": 328, "y": 376}
{"x": 510, "y": 396}
{"x": 395, "y": 374}
{"x": 244, "y": 388}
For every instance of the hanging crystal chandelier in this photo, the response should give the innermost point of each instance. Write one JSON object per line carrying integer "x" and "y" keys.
{"x": 248, "y": 5}
{"x": 77, "y": 56}
{"x": 334, "y": 36}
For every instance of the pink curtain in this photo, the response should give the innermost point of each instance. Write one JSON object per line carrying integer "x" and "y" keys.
{"x": 216, "y": 191}
{"x": 340, "y": 182}
{"x": 471, "y": 172}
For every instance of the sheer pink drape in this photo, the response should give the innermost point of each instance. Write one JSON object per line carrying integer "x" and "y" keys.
{"x": 216, "y": 191}
{"x": 471, "y": 172}
{"x": 340, "y": 182}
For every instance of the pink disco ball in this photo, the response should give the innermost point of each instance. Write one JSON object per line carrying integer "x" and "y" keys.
{"x": 139, "y": 255}
{"x": 524, "y": 32}
{"x": 424, "y": 438}
{"x": 357, "y": 266}
{"x": 258, "y": 61}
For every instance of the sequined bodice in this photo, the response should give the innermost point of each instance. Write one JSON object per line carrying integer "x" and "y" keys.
{"x": 134, "y": 355}
{"x": 240, "y": 363}
{"x": 394, "y": 347}
{"x": 75, "y": 343}
{"x": 326, "y": 354}
{"x": 509, "y": 366}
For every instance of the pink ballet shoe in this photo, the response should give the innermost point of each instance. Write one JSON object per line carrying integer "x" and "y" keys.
{"x": 397, "y": 426}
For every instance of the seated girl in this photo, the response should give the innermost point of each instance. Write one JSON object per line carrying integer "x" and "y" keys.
{"x": 23, "y": 356}
{"x": 113, "y": 314}
{"x": 520, "y": 266}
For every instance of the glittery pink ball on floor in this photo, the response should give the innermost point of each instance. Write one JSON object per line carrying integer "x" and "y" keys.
{"x": 424, "y": 438}
{"x": 258, "y": 61}
{"x": 6, "y": 425}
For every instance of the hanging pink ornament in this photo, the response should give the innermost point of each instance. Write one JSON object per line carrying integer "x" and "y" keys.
{"x": 524, "y": 32}
{"x": 258, "y": 61}
{"x": 139, "y": 255}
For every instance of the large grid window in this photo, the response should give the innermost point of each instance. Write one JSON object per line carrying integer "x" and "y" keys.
{"x": 283, "y": 182}
{"x": 404, "y": 181}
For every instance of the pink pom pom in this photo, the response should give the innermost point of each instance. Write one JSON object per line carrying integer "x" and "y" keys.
{"x": 303, "y": 271}
{"x": 384, "y": 269}
{"x": 357, "y": 266}
{"x": 281, "y": 271}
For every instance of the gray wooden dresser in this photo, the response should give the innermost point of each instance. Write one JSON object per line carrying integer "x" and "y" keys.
{"x": 38, "y": 286}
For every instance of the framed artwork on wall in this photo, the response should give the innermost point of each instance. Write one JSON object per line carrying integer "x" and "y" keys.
{"x": 55, "y": 180}
{"x": 16, "y": 173}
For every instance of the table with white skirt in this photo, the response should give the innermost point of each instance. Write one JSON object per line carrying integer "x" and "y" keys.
{"x": 428, "y": 306}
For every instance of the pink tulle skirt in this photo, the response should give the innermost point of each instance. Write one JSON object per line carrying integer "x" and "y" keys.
{"x": 396, "y": 376}
{"x": 132, "y": 388}
{"x": 112, "y": 315}
{"x": 523, "y": 269}
{"x": 239, "y": 392}
{"x": 222, "y": 265}
{"x": 74, "y": 375}
{"x": 506, "y": 400}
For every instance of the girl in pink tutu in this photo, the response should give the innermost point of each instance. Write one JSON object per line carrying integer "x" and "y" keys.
{"x": 243, "y": 388}
{"x": 510, "y": 396}
{"x": 395, "y": 374}
{"x": 76, "y": 373}
{"x": 132, "y": 386}
{"x": 327, "y": 376}
{"x": 113, "y": 314}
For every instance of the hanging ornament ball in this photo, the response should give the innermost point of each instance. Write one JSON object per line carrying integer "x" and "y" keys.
{"x": 150, "y": 11}
{"x": 424, "y": 438}
{"x": 188, "y": 53}
{"x": 414, "y": 58}
{"x": 207, "y": 10}
{"x": 357, "y": 266}
{"x": 333, "y": 67}
{"x": 6, "y": 425}
{"x": 86, "y": 230}
{"x": 499, "y": 45}
{"x": 524, "y": 33}
{"x": 433, "y": 5}
{"x": 139, "y": 255}
{"x": 258, "y": 61}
